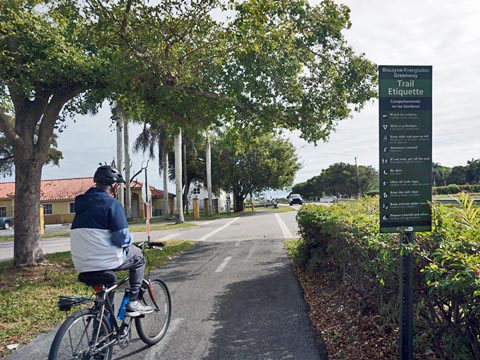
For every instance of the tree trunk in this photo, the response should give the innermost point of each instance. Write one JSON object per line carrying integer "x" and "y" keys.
{"x": 178, "y": 176}
{"x": 31, "y": 138}
{"x": 238, "y": 202}
{"x": 28, "y": 175}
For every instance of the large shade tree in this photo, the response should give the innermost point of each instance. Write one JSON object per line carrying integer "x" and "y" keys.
{"x": 276, "y": 64}
{"x": 340, "y": 179}
{"x": 50, "y": 54}
{"x": 246, "y": 162}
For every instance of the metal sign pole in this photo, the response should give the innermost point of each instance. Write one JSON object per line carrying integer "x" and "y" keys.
{"x": 147, "y": 207}
{"x": 406, "y": 296}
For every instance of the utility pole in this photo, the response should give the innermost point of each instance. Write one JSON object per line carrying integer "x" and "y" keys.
{"x": 358, "y": 179}
{"x": 147, "y": 205}
{"x": 208, "y": 162}
{"x": 178, "y": 176}
{"x": 184, "y": 184}
{"x": 166, "y": 205}
{"x": 128, "y": 190}
{"x": 119, "y": 115}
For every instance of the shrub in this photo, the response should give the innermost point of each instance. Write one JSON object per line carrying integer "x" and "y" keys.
{"x": 344, "y": 239}
{"x": 455, "y": 189}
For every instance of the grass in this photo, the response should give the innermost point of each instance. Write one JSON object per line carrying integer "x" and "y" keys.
{"x": 7, "y": 238}
{"x": 28, "y": 296}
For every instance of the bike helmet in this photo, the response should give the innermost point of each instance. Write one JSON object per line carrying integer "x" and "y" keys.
{"x": 106, "y": 174}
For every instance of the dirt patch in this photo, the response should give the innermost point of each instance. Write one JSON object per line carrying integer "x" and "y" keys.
{"x": 12, "y": 278}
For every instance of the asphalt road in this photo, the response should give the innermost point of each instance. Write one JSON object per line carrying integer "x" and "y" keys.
{"x": 234, "y": 296}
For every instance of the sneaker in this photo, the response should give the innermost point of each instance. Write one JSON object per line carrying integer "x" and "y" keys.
{"x": 135, "y": 308}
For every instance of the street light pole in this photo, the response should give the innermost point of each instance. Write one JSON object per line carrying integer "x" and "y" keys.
{"x": 358, "y": 178}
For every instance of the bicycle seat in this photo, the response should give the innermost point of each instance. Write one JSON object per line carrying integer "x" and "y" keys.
{"x": 104, "y": 277}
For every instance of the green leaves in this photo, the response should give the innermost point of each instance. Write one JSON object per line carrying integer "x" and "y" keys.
{"x": 47, "y": 46}
{"x": 246, "y": 161}
{"x": 345, "y": 239}
{"x": 340, "y": 179}
{"x": 296, "y": 70}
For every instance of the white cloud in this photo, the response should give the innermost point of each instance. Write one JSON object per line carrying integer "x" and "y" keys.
{"x": 443, "y": 34}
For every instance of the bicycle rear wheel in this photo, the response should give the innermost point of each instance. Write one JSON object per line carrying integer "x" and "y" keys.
{"x": 82, "y": 336}
{"x": 152, "y": 327}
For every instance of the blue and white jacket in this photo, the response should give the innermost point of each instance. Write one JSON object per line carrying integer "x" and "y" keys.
{"x": 99, "y": 233}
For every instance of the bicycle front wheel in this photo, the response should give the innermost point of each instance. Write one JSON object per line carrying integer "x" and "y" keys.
{"x": 82, "y": 336}
{"x": 152, "y": 327}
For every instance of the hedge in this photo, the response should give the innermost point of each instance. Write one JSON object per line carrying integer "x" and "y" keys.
{"x": 344, "y": 239}
{"x": 455, "y": 189}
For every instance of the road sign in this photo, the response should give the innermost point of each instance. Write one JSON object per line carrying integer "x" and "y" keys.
{"x": 405, "y": 130}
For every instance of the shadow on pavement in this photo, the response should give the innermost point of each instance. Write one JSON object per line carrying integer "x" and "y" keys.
{"x": 264, "y": 318}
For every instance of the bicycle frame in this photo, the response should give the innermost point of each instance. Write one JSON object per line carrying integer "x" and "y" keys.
{"x": 104, "y": 303}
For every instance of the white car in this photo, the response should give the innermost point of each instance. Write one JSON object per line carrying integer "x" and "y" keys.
{"x": 295, "y": 199}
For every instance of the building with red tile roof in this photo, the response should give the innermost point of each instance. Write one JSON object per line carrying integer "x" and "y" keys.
{"x": 58, "y": 199}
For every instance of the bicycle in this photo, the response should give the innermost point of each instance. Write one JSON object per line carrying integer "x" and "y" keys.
{"x": 92, "y": 332}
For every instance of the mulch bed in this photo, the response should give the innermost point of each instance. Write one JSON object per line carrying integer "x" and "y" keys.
{"x": 346, "y": 333}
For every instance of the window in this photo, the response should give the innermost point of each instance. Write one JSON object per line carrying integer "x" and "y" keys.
{"x": 47, "y": 209}
{"x": 72, "y": 208}
{"x": 3, "y": 211}
{"x": 196, "y": 191}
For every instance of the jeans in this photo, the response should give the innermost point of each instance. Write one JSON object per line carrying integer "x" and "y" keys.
{"x": 135, "y": 264}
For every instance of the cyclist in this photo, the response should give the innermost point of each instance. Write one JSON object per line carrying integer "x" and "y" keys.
{"x": 100, "y": 239}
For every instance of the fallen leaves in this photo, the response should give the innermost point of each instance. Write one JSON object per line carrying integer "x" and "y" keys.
{"x": 346, "y": 333}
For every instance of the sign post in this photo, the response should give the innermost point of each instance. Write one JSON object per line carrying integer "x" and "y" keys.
{"x": 405, "y": 142}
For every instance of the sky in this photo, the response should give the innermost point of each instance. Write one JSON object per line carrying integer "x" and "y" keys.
{"x": 442, "y": 33}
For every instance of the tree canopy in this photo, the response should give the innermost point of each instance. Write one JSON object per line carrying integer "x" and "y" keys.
{"x": 52, "y": 59}
{"x": 246, "y": 162}
{"x": 461, "y": 175}
{"x": 339, "y": 179}
{"x": 273, "y": 64}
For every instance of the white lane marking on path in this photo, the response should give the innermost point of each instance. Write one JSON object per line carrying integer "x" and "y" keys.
{"x": 287, "y": 234}
{"x": 170, "y": 236}
{"x": 210, "y": 234}
{"x": 223, "y": 264}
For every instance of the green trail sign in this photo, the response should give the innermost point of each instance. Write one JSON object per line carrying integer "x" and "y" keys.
{"x": 405, "y": 112}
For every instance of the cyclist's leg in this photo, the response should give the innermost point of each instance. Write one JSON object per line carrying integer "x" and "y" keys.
{"x": 135, "y": 264}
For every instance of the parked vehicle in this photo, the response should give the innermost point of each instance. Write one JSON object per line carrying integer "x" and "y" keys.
{"x": 6, "y": 222}
{"x": 329, "y": 199}
{"x": 295, "y": 199}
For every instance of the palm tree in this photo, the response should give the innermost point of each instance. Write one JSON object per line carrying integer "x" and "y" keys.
{"x": 193, "y": 165}
{"x": 440, "y": 174}
{"x": 152, "y": 140}
{"x": 473, "y": 171}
